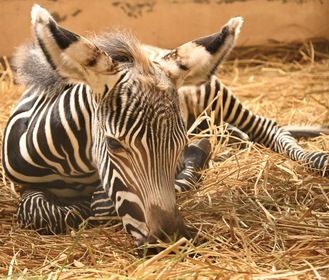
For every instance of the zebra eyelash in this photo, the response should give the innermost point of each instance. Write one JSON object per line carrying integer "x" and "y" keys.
{"x": 114, "y": 144}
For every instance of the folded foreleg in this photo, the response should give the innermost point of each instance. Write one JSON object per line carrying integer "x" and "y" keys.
{"x": 195, "y": 157}
{"x": 42, "y": 211}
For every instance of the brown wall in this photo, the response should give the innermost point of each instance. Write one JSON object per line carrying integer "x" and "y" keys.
{"x": 168, "y": 23}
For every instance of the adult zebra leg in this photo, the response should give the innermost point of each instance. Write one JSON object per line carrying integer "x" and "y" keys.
{"x": 214, "y": 96}
{"x": 195, "y": 157}
{"x": 42, "y": 211}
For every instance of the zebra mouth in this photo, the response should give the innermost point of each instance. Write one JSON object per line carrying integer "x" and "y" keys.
{"x": 155, "y": 245}
{"x": 158, "y": 238}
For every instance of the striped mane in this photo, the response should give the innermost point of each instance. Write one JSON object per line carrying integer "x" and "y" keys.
{"x": 122, "y": 46}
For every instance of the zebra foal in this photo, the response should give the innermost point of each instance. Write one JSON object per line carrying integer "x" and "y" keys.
{"x": 102, "y": 128}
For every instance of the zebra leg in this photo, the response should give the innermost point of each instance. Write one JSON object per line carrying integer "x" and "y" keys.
{"x": 216, "y": 97}
{"x": 195, "y": 158}
{"x": 316, "y": 161}
{"x": 42, "y": 211}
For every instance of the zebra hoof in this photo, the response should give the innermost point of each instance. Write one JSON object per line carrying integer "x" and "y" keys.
{"x": 318, "y": 162}
{"x": 198, "y": 153}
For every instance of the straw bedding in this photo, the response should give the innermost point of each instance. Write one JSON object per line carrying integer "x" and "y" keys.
{"x": 258, "y": 214}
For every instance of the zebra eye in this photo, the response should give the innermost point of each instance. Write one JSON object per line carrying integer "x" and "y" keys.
{"x": 113, "y": 144}
{"x": 122, "y": 58}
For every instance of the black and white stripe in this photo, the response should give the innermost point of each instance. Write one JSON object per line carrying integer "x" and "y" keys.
{"x": 102, "y": 128}
{"x": 215, "y": 96}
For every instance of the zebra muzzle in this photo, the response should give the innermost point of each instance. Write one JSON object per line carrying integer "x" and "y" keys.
{"x": 164, "y": 226}
{"x": 157, "y": 243}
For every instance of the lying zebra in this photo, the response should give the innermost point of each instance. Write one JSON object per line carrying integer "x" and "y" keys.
{"x": 102, "y": 128}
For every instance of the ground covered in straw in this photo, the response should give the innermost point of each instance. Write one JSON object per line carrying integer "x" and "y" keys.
{"x": 259, "y": 214}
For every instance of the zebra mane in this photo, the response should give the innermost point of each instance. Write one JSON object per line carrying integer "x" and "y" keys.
{"x": 116, "y": 43}
{"x": 120, "y": 44}
{"x": 33, "y": 68}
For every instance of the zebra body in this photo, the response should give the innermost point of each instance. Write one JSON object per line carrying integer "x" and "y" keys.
{"x": 102, "y": 128}
{"x": 37, "y": 157}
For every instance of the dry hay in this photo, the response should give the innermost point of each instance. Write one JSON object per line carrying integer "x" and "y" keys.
{"x": 259, "y": 214}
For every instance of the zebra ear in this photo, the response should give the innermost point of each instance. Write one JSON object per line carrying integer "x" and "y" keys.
{"x": 196, "y": 61}
{"x": 71, "y": 55}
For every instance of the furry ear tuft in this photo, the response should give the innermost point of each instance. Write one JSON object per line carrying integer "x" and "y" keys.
{"x": 235, "y": 24}
{"x": 39, "y": 15}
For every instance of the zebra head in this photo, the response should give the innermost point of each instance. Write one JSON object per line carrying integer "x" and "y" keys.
{"x": 137, "y": 129}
